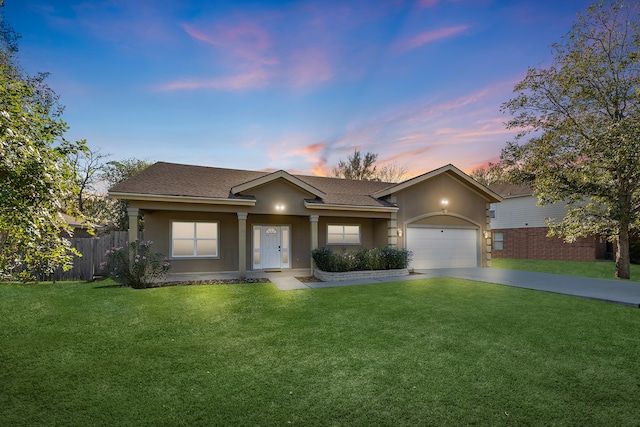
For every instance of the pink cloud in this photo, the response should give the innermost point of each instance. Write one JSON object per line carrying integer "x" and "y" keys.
{"x": 309, "y": 149}
{"x": 251, "y": 80}
{"x": 245, "y": 40}
{"x": 428, "y": 37}
{"x": 309, "y": 67}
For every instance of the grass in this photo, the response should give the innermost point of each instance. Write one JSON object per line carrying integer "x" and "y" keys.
{"x": 599, "y": 269}
{"x": 426, "y": 352}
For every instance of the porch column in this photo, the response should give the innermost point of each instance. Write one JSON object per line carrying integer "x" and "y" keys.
{"x": 242, "y": 244}
{"x": 392, "y": 227}
{"x": 134, "y": 215}
{"x": 487, "y": 235}
{"x": 313, "y": 220}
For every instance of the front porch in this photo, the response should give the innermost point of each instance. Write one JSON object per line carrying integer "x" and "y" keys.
{"x": 235, "y": 275}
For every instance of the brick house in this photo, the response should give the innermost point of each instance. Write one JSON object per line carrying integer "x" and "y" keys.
{"x": 519, "y": 230}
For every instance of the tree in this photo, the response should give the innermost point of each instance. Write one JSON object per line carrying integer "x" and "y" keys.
{"x": 391, "y": 172}
{"x": 365, "y": 169}
{"x": 35, "y": 182}
{"x": 115, "y": 172}
{"x": 582, "y": 114}
{"x": 88, "y": 166}
{"x": 491, "y": 174}
{"x": 35, "y": 178}
{"x": 357, "y": 168}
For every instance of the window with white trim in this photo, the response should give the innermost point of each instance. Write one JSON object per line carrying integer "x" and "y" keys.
{"x": 343, "y": 234}
{"x": 498, "y": 241}
{"x": 194, "y": 239}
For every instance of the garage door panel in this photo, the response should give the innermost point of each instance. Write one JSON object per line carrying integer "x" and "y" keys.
{"x": 442, "y": 247}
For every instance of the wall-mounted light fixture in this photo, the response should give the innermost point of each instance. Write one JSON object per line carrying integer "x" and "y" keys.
{"x": 399, "y": 232}
{"x": 486, "y": 234}
{"x": 444, "y": 203}
{"x": 279, "y": 207}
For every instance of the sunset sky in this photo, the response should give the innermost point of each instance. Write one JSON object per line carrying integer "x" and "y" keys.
{"x": 293, "y": 85}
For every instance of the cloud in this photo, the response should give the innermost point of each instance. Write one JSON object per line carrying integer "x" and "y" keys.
{"x": 427, "y": 37}
{"x": 422, "y": 136}
{"x": 245, "y": 40}
{"x": 251, "y": 80}
{"x": 428, "y": 3}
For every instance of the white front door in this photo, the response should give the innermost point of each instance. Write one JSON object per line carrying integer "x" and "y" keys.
{"x": 271, "y": 247}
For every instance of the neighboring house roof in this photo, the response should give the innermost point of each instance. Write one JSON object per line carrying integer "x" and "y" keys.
{"x": 203, "y": 184}
{"x": 511, "y": 190}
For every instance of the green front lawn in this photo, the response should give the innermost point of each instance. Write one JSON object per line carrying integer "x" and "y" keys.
{"x": 425, "y": 352}
{"x": 598, "y": 269}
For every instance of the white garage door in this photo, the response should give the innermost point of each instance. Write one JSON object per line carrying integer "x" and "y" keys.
{"x": 442, "y": 247}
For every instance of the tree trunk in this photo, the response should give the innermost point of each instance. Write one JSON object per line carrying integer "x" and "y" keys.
{"x": 622, "y": 253}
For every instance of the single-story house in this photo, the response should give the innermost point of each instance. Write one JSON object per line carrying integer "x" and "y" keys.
{"x": 213, "y": 220}
{"x": 520, "y": 229}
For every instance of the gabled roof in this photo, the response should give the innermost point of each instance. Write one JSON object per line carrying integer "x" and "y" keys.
{"x": 452, "y": 171}
{"x": 274, "y": 176}
{"x": 202, "y": 184}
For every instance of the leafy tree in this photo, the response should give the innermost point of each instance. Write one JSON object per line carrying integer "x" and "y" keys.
{"x": 35, "y": 178}
{"x": 115, "y": 172}
{"x": 364, "y": 169}
{"x": 582, "y": 114}
{"x": 35, "y": 182}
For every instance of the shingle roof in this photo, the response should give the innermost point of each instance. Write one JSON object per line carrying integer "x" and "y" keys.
{"x": 171, "y": 179}
{"x": 511, "y": 190}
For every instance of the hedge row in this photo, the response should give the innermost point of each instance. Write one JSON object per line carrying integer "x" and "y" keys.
{"x": 365, "y": 259}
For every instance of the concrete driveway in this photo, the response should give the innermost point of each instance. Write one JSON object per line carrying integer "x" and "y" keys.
{"x": 615, "y": 291}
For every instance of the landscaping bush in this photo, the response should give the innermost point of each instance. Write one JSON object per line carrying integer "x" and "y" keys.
{"x": 366, "y": 259}
{"x": 136, "y": 264}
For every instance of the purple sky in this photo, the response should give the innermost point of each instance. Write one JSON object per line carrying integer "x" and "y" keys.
{"x": 293, "y": 85}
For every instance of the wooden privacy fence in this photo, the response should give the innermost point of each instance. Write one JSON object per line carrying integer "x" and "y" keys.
{"x": 93, "y": 253}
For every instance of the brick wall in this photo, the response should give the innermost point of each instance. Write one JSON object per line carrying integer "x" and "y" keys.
{"x": 533, "y": 243}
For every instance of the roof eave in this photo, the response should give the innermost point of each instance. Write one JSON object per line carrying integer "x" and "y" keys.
{"x": 182, "y": 199}
{"x": 337, "y": 207}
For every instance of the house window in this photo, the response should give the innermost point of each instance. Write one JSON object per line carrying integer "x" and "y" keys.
{"x": 498, "y": 241}
{"x": 343, "y": 234}
{"x": 492, "y": 210}
{"x": 194, "y": 239}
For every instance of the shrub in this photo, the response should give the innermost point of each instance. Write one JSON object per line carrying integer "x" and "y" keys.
{"x": 365, "y": 259}
{"x": 136, "y": 264}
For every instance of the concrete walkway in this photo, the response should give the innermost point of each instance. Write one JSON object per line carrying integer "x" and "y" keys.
{"x": 615, "y": 291}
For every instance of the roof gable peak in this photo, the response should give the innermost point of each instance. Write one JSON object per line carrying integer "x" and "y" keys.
{"x": 280, "y": 174}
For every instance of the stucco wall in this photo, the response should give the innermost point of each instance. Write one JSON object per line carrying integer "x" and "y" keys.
{"x": 158, "y": 229}
{"x": 422, "y": 204}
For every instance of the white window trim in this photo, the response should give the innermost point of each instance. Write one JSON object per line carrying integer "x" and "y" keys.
{"x": 342, "y": 243}
{"x": 495, "y": 241}
{"x": 195, "y": 239}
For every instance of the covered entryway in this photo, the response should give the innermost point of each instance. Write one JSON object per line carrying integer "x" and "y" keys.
{"x": 442, "y": 247}
{"x": 271, "y": 245}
